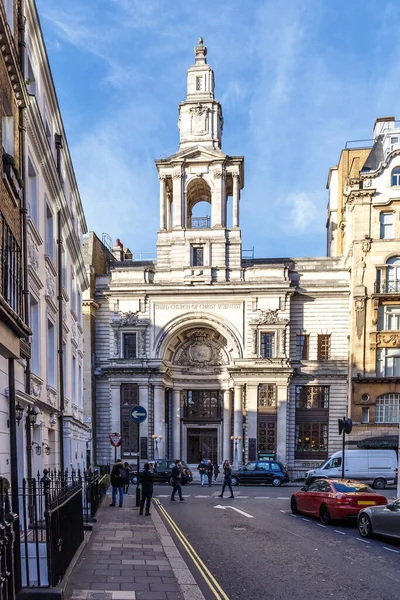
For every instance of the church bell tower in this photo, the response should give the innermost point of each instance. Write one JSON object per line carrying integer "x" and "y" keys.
{"x": 196, "y": 249}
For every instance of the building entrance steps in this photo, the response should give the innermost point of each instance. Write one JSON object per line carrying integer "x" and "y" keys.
{"x": 128, "y": 557}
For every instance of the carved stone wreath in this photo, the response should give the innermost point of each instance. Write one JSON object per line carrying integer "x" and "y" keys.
{"x": 201, "y": 350}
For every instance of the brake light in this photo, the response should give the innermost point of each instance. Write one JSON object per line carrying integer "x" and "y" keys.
{"x": 345, "y": 500}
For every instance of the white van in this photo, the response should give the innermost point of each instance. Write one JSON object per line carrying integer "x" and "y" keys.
{"x": 378, "y": 467}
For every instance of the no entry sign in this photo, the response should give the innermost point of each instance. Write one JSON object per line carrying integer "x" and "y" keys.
{"x": 115, "y": 439}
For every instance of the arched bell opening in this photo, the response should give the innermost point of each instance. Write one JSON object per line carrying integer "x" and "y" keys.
{"x": 198, "y": 198}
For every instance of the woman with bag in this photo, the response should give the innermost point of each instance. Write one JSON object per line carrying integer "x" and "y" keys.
{"x": 227, "y": 469}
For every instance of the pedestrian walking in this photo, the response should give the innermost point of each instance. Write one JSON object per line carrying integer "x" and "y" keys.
{"x": 146, "y": 479}
{"x": 129, "y": 470}
{"x": 216, "y": 471}
{"x": 227, "y": 469}
{"x": 119, "y": 478}
{"x": 202, "y": 469}
{"x": 210, "y": 469}
{"x": 176, "y": 474}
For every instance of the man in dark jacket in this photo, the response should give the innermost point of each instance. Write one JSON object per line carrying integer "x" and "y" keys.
{"x": 176, "y": 474}
{"x": 146, "y": 479}
{"x": 119, "y": 479}
{"x": 202, "y": 469}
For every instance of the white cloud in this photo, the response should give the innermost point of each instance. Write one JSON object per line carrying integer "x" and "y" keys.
{"x": 302, "y": 213}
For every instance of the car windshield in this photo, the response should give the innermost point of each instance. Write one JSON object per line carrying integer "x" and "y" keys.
{"x": 345, "y": 487}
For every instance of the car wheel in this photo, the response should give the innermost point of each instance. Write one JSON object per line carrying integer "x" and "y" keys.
{"x": 133, "y": 480}
{"x": 293, "y": 505}
{"x": 379, "y": 484}
{"x": 276, "y": 482}
{"x": 364, "y": 525}
{"x": 234, "y": 481}
{"x": 324, "y": 515}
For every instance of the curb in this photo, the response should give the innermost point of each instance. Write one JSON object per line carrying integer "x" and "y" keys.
{"x": 187, "y": 583}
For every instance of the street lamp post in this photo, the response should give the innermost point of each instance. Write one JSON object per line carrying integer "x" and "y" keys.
{"x": 236, "y": 439}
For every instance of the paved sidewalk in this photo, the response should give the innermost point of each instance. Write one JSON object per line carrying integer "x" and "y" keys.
{"x": 126, "y": 558}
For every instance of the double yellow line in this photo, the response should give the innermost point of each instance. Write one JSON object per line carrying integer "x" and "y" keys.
{"x": 198, "y": 563}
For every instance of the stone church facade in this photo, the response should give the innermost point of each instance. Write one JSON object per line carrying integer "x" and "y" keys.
{"x": 232, "y": 358}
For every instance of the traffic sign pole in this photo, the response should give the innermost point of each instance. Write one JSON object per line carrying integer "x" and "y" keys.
{"x": 138, "y": 468}
{"x": 138, "y": 414}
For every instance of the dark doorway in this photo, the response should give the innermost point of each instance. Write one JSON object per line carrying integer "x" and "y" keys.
{"x": 202, "y": 443}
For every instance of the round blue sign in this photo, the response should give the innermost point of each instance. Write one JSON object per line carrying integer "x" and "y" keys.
{"x": 138, "y": 414}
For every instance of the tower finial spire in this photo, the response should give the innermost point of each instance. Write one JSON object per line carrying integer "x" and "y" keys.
{"x": 200, "y": 52}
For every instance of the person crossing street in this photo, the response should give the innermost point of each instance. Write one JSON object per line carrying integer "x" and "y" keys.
{"x": 176, "y": 475}
{"x": 227, "y": 469}
{"x": 146, "y": 479}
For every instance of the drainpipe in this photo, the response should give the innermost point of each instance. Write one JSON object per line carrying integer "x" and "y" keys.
{"x": 58, "y": 143}
{"x": 14, "y": 471}
{"x": 24, "y": 211}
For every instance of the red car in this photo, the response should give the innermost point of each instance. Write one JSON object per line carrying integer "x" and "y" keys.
{"x": 335, "y": 499}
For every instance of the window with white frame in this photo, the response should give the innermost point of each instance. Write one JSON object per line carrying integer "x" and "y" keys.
{"x": 324, "y": 346}
{"x": 51, "y": 353}
{"x": 386, "y": 220}
{"x": 74, "y": 389}
{"x": 30, "y": 75}
{"x": 79, "y": 307}
{"x": 65, "y": 367}
{"x": 396, "y": 176}
{"x": 267, "y": 344}
{"x": 393, "y": 275}
{"x": 129, "y": 345}
{"x": 197, "y": 256}
{"x": 32, "y": 192}
{"x": 34, "y": 314}
{"x": 199, "y": 84}
{"x": 387, "y": 409}
{"x": 49, "y": 232}
{"x": 73, "y": 291}
{"x": 389, "y": 317}
{"x": 388, "y": 362}
{"x": 80, "y": 400}
{"x": 7, "y": 124}
{"x": 365, "y": 414}
{"x": 64, "y": 268}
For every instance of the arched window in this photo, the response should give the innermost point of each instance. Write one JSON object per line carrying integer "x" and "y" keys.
{"x": 393, "y": 274}
{"x": 387, "y": 409}
{"x": 396, "y": 176}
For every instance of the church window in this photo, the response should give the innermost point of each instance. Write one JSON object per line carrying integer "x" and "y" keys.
{"x": 266, "y": 395}
{"x": 129, "y": 345}
{"x": 129, "y": 429}
{"x": 202, "y": 404}
{"x": 387, "y": 409}
{"x": 267, "y": 345}
{"x": 199, "y": 84}
{"x": 197, "y": 256}
{"x": 324, "y": 347}
{"x": 396, "y": 176}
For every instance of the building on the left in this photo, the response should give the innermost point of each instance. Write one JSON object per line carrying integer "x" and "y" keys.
{"x": 42, "y": 268}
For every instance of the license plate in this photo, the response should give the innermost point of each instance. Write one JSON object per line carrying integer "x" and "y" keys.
{"x": 366, "y": 502}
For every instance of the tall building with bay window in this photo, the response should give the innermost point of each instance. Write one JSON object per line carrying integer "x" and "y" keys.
{"x": 232, "y": 357}
{"x": 364, "y": 228}
{"x": 42, "y": 216}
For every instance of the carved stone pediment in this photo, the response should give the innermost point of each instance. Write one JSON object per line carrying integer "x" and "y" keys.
{"x": 129, "y": 318}
{"x": 270, "y": 317}
{"x": 201, "y": 349}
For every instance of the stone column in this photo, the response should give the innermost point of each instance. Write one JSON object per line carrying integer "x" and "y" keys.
{"x": 235, "y": 222}
{"x": 144, "y": 401}
{"x": 238, "y": 424}
{"x": 176, "y": 424}
{"x": 251, "y": 416}
{"x": 162, "y": 201}
{"x": 216, "y": 199}
{"x": 177, "y": 197}
{"x": 282, "y": 422}
{"x": 159, "y": 420}
{"x": 169, "y": 224}
{"x": 226, "y": 442}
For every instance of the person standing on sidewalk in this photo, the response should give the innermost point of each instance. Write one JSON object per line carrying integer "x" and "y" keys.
{"x": 209, "y": 471}
{"x": 119, "y": 479}
{"x": 176, "y": 480}
{"x": 146, "y": 479}
{"x": 202, "y": 469}
{"x": 216, "y": 471}
{"x": 227, "y": 469}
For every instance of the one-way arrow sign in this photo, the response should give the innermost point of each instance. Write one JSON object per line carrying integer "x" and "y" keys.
{"x": 237, "y": 510}
{"x": 138, "y": 414}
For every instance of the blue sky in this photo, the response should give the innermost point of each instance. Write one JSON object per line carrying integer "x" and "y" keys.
{"x": 296, "y": 78}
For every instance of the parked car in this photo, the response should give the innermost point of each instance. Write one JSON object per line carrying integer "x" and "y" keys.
{"x": 380, "y": 520}
{"x": 162, "y": 471}
{"x": 261, "y": 471}
{"x": 335, "y": 499}
{"x": 377, "y": 467}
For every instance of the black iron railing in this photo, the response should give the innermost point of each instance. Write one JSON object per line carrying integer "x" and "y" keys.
{"x": 7, "y": 538}
{"x": 11, "y": 267}
{"x": 388, "y": 286}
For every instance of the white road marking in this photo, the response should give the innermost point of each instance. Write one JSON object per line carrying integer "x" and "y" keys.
{"x": 391, "y": 549}
{"x": 261, "y": 497}
{"x": 295, "y": 516}
{"x": 308, "y": 520}
{"x": 163, "y": 496}
{"x": 241, "y": 497}
{"x": 361, "y": 540}
{"x": 237, "y": 510}
{"x": 320, "y": 525}
{"x": 202, "y": 496}
{"x": 341, "y": 532}
{"x": 283, "y": 511}
{"x": 283, "y": 498}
